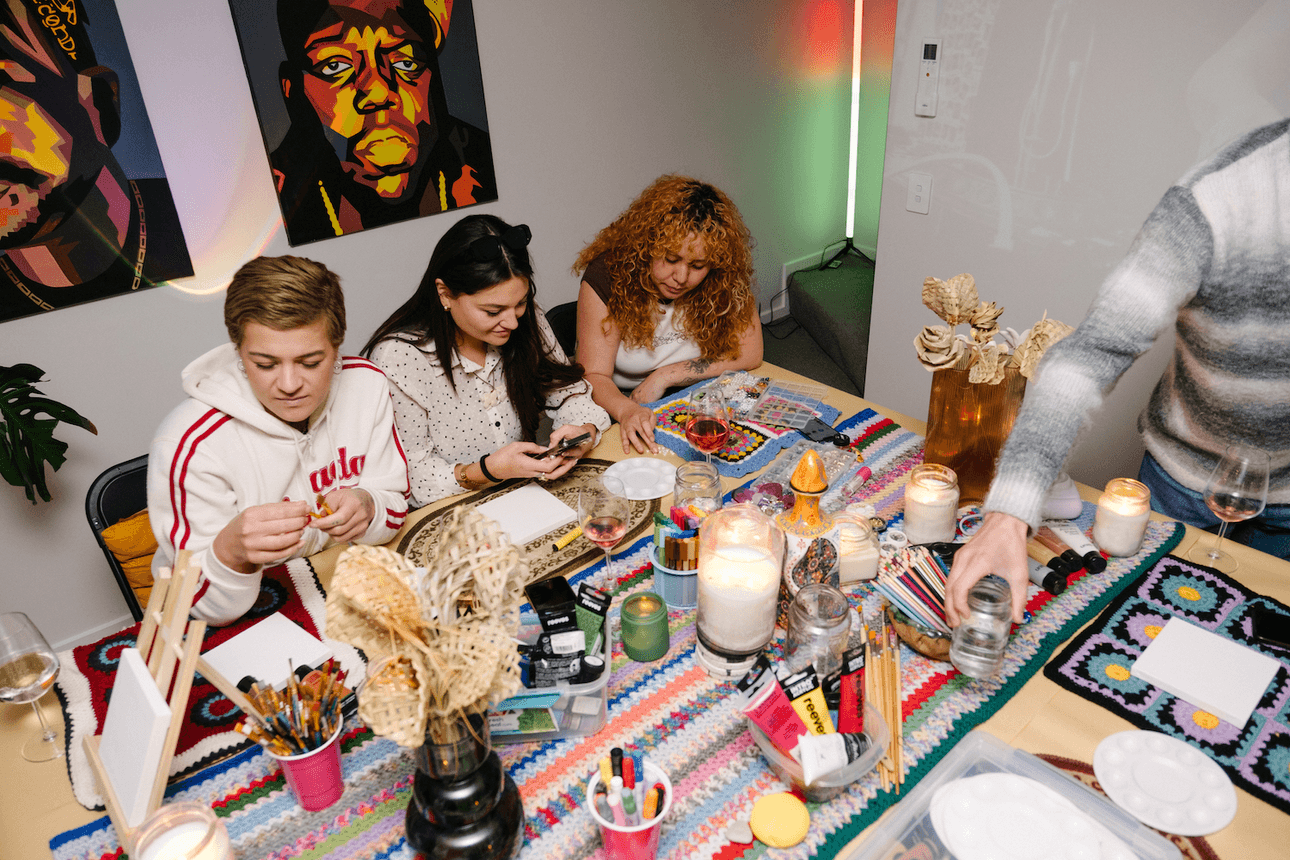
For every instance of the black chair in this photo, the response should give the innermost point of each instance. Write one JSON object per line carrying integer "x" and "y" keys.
{"x": 564, "y": 322}
{"x": 120, "y": 492}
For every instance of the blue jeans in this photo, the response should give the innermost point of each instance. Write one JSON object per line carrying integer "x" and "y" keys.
{"x": 1269, "y": 531}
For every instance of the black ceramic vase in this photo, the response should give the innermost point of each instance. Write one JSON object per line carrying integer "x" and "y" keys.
{"x": 464, "y": 804}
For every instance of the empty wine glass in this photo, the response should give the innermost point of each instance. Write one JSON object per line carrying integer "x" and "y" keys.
{"x": 708, "y": 426}
{"x": 1237, "y": 490}
{"x": 603, "y": 512}
{"x": 28, "y": 667}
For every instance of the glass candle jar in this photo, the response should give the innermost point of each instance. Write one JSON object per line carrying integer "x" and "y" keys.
{"x": 858, "y": 546}
{"x": 819, "y": 624}
{"x": 1121, "y": 520}
{"x": 698, "y": 486}
{"x": 644, "y": 625}
{"x": 979, "y": 640}
{"x": 931, "y": 504}
{"x": 741, "y": 555}
{"x": 182, "y": 830}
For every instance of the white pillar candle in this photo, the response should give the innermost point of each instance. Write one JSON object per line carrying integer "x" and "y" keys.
{"x": 738, "y": 598}
{"x": 182, "y": 831}
{"x": 1122, "y": 514}
{"x": 931, "y": 504}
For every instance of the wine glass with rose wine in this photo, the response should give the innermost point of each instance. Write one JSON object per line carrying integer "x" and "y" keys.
{"x": 708, "y": 426}
{"x": 603, "y": 512}
{"x": 1237, "y": 490}
{"x": 28, "y": 667}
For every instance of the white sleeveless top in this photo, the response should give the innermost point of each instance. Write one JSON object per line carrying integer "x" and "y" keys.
{"x": 631, "y": 366}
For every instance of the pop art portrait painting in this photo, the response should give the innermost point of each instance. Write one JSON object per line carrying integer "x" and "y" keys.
{"x": 86, "y": 210}
{"x": 372, "y": 111}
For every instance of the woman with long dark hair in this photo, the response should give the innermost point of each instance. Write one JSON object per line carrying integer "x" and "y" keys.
{"x": 473, "y": 364}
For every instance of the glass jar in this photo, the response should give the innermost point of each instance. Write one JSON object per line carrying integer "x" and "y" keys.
{"x": 858, "y": 546}
{"x": 741, "y": 555}
{"x": 699, "y": 486}
{"x": 819, "y": 624}
{"x": 979, "y": 640}
{"x": 931, "y": 504}
{"x": 1121, "y": 520}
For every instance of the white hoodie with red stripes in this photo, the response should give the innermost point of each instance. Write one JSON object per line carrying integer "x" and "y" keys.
{"x": 220, "y": 452}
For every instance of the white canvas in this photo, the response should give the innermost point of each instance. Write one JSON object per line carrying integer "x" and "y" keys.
{"x": 1210, "y": 671}
{"x": 264, "y": 649}
{"x": 528, "y": 513}
{"x": 134, "y": 735}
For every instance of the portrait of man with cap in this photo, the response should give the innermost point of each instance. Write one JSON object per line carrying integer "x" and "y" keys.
{"x": 75, "y": 225}
{"x": 369, "y": 138}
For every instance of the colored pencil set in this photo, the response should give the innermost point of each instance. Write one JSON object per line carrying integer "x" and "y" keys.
{"x": 302, "y": 717}
{"x": 621, "y": 795}
{"x": 913, "y": 580}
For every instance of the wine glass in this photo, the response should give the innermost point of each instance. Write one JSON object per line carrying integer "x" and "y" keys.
{"x": 603, "y": 512}
{"x": 708, "y": 426}
{"x": 28, "y": 667}
{"x": 1237, "y": 490}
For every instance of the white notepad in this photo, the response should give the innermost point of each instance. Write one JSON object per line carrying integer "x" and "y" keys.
{"x": 134, "y": 735}
{"x": 1209, "y": 671}
{"x": 267, "y": 650}
{"x": 528, "y": 513}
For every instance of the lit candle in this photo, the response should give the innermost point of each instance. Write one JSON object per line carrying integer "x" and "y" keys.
{"x": 182, "y": 831}
{"x": 1122, "y": 514}
{"x": 931, "y": 504}
{"x": 741, "y": 555}
{"x": 858, "y": 546}
{"x": 645, "y": 634}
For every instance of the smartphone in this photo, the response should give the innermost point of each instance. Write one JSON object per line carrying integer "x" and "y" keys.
{"x": 817, "y": 431}
{"x": 565, "y": 445}
{"x": 1271, "y": 628}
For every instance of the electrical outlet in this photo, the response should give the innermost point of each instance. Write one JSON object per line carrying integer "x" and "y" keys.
{"x": 919, "y": 197}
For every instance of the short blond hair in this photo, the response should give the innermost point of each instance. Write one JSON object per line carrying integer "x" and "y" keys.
{"x": 284, "y": 293}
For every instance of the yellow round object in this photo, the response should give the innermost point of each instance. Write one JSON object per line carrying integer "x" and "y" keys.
{"x": 780, "y": 820}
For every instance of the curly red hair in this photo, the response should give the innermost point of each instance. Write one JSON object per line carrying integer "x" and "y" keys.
{"x": 657, "y": 223}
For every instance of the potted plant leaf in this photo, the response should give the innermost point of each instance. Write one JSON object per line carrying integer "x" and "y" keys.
{"x": 27, "y": 440}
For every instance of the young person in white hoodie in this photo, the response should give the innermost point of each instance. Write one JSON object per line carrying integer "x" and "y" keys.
{"x": 283, "y": 447}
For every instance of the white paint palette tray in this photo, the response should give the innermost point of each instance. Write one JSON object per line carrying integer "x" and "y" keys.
{"x": 986, "y": 799}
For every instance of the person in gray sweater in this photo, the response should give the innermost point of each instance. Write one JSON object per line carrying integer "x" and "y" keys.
{"x": 1213, "y": 261}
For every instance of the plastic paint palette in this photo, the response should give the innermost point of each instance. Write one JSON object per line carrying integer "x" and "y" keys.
{"x": 788, "y": 404}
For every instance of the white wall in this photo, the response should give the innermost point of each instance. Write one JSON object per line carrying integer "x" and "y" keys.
{"x": 588, "y": 100}
{"x": 1060, "y": 126}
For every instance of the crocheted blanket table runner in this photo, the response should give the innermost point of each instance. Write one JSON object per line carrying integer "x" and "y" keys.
{"x": 682, "y": 720}
{"x": 84, "y": 682}
{"x": 750, "y": 446}
{"x": 1096, "y": 664}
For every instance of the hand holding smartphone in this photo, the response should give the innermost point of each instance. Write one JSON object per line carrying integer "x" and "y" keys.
{"x": 564, "y": 446}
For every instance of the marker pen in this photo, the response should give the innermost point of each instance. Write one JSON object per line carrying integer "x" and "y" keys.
{"x": 616, "y": 759}
{"x": 606, "y": 771}
{"x": 617, "y": 815}
{"x": 629, "y": 807}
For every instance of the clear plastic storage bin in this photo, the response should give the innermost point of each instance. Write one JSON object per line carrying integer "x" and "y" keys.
{"x": 576, "y": 710}
{"x": 789, "y": 770}
{"x": 910, "y": 822}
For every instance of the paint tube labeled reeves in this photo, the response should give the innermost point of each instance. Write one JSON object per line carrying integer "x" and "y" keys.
{"x": 851, "y": 692}
{"x": 770, "y": 710}
{"x": 803, "y": 690}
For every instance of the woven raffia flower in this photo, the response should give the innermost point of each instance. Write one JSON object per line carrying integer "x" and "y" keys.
{"x": 937, "y": 347}
{"x": 985, "y": 322}
{"x": 954, "y": 300}
{"x": 991, "y": 360}
{"x": 1043, "y": 334}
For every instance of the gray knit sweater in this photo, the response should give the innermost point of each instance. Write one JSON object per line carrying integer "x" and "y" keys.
{"x": 1212, "y": 260}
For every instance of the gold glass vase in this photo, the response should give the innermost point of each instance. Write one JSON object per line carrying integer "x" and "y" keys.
{"x": 967, "y": 424}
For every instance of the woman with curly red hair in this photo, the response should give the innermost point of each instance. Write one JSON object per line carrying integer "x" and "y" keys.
{"x": 644, "y": 323}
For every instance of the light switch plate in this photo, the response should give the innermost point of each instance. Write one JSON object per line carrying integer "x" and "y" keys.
{"x": 920, "y": 193}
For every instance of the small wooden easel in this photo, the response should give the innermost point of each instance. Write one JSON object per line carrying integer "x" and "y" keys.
{"x": 170, "y": 644}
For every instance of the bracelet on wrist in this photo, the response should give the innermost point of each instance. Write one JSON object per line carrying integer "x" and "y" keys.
{"x": 483, "y": 467}
{"x": 463, "y": 480}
